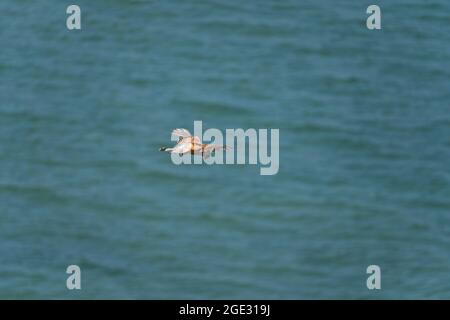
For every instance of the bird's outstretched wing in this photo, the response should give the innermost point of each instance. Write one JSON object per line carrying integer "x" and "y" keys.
{"x": 196, "y": 140}
{"x": 193, "y": 140}
{"x": 182, "y": 133}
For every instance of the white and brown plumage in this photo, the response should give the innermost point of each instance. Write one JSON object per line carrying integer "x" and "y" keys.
{"x": 188, "y": 143}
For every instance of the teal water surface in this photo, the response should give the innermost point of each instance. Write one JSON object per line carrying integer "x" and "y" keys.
{"x": 364, "y": 119}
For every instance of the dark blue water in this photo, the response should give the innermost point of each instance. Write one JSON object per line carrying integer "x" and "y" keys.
{"x": 364, "y": 119}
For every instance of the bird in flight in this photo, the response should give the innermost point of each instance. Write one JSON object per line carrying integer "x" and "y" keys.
{"x": 187, "y": 143}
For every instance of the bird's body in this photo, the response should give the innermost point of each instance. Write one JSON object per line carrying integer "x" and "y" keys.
{"x": 192, "y": 144}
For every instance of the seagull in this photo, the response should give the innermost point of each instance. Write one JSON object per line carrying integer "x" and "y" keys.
{"x": 187, "y": 143}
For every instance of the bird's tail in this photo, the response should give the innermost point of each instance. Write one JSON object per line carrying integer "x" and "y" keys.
{"x": 165, "y": 149}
